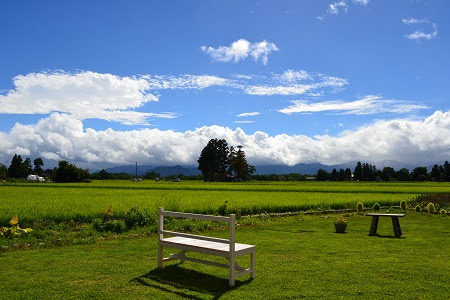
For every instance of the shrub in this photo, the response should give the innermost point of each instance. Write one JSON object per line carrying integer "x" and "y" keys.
{"x": 359, "y": 207}
{"x": 237, "y": 212}
{"x": 97, "y": 224}
{"x": 222, "y": 210}
{"x": 376, "y": 207}
{"x": 403, "y": 204}
{"x": 135, "y": 217}
{"x": 418, "y": 208}
{"x": 114, "y": 226}
{"x": 430, "y": 208}
{"x": 443, "y": 212}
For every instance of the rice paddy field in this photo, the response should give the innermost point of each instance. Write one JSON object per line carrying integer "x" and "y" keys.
{"x": 86, "y": 201}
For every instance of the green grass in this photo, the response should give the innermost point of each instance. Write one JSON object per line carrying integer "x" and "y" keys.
{"x": 86, "y": 201}
{"x": 297, "y": 257}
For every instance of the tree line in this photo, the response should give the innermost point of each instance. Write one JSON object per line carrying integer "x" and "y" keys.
{"x": 368, "y": 172}
{"x": 64, "y": 172}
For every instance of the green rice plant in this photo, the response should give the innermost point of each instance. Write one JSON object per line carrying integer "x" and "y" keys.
{"x": 403, "y": 204}
{"x": 135, "y": 217}
{"x": 430, "y": 208}
{"x": 376, "y": 207}
{"x": 359, "y": 207}
{"x": 418, "y": 208}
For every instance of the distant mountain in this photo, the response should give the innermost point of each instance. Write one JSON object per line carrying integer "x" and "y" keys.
{"x": 262, "y": 169}
{"x": 163, "y": 171}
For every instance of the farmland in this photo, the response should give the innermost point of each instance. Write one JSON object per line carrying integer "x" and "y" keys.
{"x": 86, "y": 201}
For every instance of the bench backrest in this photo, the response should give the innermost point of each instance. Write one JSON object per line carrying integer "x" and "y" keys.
{"x": 230, "y": 220}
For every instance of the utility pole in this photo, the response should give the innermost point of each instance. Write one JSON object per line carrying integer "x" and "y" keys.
{"x": 136, "y": 172}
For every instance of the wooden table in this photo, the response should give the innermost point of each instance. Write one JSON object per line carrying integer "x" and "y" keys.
{"x": 395, "y": 223}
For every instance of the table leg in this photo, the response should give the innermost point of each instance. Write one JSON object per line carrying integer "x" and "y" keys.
{"x": 374, "y": 225}
{"x": 396, "y": 225}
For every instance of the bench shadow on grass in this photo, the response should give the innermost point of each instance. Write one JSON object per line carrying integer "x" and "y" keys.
{"x": 187, "y": 283}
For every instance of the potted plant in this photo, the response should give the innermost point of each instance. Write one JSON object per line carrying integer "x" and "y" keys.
{"x": 340, "y": 224}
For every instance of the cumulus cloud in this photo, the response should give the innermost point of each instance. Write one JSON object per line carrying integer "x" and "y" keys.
{"x": 86, "y": 95}
{"x": 60, "y": 136}
{"x": 240, "y": 50}
{"x": 366, "y": 105}
{"x": 249, "y": 114}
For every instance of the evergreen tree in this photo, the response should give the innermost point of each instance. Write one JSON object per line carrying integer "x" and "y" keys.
{"x": 341, "y": 175}
{"x": 387, "y": 174}
{"x": 435, "y": 174}
{"x": 14, "y": 168}
{"x": 402, "y": 174}
{"x": 322, "y": 175}
{"x": 446, "y": 171}
{"x": 348, "y": 174}
{"x": 26, "y": 168}
{"x": 239, "y": 165}
{"x": 38, "y": 164}
{"x": 334, "y": 175}
{"x": 358, "y": 173}
{"x": 214, "y": 160}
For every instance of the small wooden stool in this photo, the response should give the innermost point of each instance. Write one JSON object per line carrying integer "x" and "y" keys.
{"x": 395, "y": 223}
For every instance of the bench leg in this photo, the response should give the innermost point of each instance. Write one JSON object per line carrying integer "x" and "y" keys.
{"x": 232, "y": 271}
{"x": 252, "y": 264}
{"x": 396, "y": 225}
{"x": 182, "y": 256}
{"x": 160, "y": 256}
{"x": 374, "y": 226}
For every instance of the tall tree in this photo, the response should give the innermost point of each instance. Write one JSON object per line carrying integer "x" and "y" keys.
{"x": 446, "y": 171}
{"x": 402, "y": 174}
{"x": 419, "y": 174}
{"x": 26, "y": 168}
{"x": 334, "y": 175}
{"x": 435, "y": 174}
{"x": 238, "y": 163}
{"x": 322, "y": 175}
{"x": 348, "y": 174}
{"x": 358, "y": 173}
{"x": 14, "y": 168}
{"x": 38, "y": 164}
{"x": 388, "y": 173}
{"x": 67, "y": 172}
{"x": 214, "y": 160}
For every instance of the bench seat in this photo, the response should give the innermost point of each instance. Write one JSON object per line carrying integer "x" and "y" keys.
{"x": 219, "y": 249}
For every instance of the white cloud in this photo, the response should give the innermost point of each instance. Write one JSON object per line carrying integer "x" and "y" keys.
{"x": 86, "y": 95}
{"x": 409, "y": 21}
{"x": 361, "y": 2}
{"x": 293, "y": 76}
{"x": 83, "y": 95}
{"x": 60, "y": 136}
{"x": 419, "y": 35}
{"x": 289, "y": 85}
{"x": 240, "y": 50}
{"x": 249, "y": 114}
{"x": 366, "y": 105}
{"x": 338, "y": 7}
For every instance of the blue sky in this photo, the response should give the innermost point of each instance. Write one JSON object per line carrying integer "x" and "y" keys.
{"x": 291, "y": 80}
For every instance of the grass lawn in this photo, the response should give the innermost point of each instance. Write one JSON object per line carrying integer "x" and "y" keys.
{"x": 296, "y": 257}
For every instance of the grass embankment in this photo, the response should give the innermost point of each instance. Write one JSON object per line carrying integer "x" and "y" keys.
{"x": 296, "y": 257}
{"x": 86, "y": 201}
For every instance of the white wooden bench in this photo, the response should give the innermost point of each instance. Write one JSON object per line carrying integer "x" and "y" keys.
{"x": 226, "y": 248}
